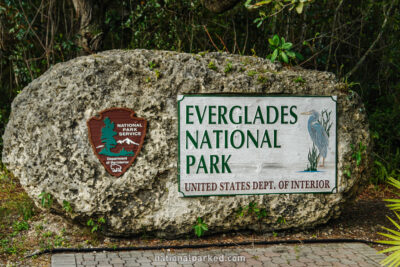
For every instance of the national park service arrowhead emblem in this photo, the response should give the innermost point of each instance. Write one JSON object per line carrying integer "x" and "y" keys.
{"x": 117, "y": 137}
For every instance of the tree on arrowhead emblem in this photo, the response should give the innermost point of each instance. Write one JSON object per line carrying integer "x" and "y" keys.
{"x": 107, "y": 137}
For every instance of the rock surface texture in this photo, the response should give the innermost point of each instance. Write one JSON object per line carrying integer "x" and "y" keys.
{"x": 46, "y": 140}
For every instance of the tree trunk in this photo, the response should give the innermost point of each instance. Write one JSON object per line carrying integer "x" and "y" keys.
{"x": 91, "y": 30}
{"x": 219, "y": 6}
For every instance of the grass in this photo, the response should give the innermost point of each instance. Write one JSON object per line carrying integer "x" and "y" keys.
{"x": 25, "y": 228}
{"x": 16, "y": 210}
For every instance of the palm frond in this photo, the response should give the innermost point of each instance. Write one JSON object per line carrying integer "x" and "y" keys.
{"x": 394, "y": 258}
{"x": 395, "y": 248}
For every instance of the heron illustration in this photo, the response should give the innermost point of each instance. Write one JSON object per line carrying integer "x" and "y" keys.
{"x": 318, "y": 134}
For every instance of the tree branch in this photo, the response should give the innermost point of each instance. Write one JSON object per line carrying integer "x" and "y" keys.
{"x": 219, "y": 6}
{"x": 374, "y": 42}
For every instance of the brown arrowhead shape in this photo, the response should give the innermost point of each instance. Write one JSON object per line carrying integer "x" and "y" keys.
{"x": 117, "y": 137}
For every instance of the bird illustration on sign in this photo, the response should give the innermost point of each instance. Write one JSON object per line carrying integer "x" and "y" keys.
{"x": 318, "y": 128}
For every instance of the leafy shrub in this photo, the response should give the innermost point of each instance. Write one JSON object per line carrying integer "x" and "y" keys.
{"x": 96, "y": 225}
{"x": 282, "y": 50}
{"x": 200, "y": 227}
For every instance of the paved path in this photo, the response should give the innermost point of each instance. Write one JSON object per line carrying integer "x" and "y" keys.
{"x": 341, "y": 254}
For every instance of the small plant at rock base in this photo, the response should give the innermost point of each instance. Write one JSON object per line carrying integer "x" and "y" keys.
{"x": 46, "y": 200}
{"x": 200, "y": 227}
{"x": 281, "y": 220}
{"x": 282, "y": 50}
{"x": 262, "y": 79}
{"x": 347, "y": 171}
{"x": 203, "y": 53}
{"x": 228, "y": 67}
{"x": 152, "y": 65}
{"x": 67, "y": 206}
{"x": 158, "y": 74}
{"x": 252, "y": 210}
{"x": 299, "y": 79}
{"x": 357, "y": 152}
{"x": 96, "y": 225}
{"x": 251, "y": 73}
{"x": 211, "y": 65}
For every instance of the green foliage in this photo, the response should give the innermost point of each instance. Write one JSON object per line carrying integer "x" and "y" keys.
{"x": 96, "y": 224}
{"x": 269, "y": 8}
{"x": 46, "y": 200}
{"x": 281, "y": 50}
{"x": 252, "y": 209}
{"x": 152, "y": 65}
{"x": 211, "y": 65}
{"x": 16, "y": 208}
{"x": 26, "y": 52}
{"x": 299, "y": 79}
{"x": 386, "y": 134}
{"x": 385, "y": 171}
{"x": 281, "y": 220}
{"x": 67, "y": 206}
{"x": 200, "y": 227}
{"x": 20, "y": 226}
{"x": 262, "y": 79}
{"x": 394, "y": 258}
{"x": 157, "y": 73}
{"x": 8, "y": 247}
{"x": 228, "y": 67}
{"x": 312, "y": 160}
{"x": 251, "y": 73}
{"x": 26, "y": 210}
{"x": 358, "y": 152}
{"x": 347, "y": 171}
{"x": 395, "y": 202}
{"x": 49, "y": 240}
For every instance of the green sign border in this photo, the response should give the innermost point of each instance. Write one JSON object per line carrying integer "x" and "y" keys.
{"x": 252, "y": 95}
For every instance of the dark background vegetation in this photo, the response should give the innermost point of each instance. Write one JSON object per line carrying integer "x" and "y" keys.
{"x": 358, "y": 40}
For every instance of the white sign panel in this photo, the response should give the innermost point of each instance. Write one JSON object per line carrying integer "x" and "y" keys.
{"x": 231, "y": 145}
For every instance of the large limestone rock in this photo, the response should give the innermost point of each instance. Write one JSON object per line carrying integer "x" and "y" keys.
{"x": 46, "y": 141}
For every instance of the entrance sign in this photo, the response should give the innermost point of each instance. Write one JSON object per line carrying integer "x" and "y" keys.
{"x": 117, "y": 137}
{"x": 232, "y": 145}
